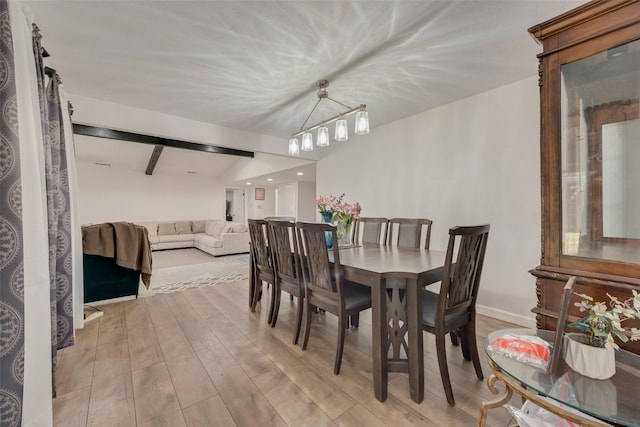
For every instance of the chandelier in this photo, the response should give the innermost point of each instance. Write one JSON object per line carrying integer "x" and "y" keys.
{"x": 341, "y": 131}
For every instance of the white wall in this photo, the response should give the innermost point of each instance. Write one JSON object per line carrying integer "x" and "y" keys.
{"x": 306, "y": 196}
{"x": 258, "y": 209}
{"x": 108, "y": 194}
{"x": 287, "y": 200}
{"x": 470, "y": 162}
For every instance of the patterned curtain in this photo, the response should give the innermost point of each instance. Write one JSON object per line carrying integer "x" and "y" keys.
{"x": 58, "y": 207}
{"x": 11, "y": 249}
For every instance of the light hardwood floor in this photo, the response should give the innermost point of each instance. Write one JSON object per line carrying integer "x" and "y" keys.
{"x": 201, "y": 358}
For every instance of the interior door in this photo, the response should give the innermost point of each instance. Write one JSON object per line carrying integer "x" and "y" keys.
{"x": 234, "y": 200}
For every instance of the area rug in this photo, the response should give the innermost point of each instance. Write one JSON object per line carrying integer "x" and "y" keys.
{"x": 180, "y": 278}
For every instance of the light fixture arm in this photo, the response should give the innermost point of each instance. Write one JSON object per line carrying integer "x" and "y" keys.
{"x": 350, "y": 111}
{"x": 338, "y": 102}
{"x": 307, "y": 119}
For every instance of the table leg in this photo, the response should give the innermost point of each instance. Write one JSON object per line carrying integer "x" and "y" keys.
{"x": 379, "y": 339}
{"x": 416, "y": 355}
{"x": 496, "y": 403}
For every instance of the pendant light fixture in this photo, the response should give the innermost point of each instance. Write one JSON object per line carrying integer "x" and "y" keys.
{"x": 341, "y": 131}
{"x": 323, "y": 136}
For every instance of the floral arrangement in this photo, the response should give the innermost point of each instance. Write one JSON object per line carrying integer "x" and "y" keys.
{"x": 603, "y": 322}
{"x": 341, "y": 210}
{"x": 343, "y": 213}
{"x": 328, "y": 204}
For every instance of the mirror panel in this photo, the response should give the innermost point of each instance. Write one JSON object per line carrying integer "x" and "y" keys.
{"x": 601, "y": 155}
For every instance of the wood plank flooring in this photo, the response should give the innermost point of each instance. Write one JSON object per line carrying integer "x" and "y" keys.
{"x": 201, "y": 358}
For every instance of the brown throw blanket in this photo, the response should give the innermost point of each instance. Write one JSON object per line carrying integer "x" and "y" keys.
{"x": 126, "y": 242}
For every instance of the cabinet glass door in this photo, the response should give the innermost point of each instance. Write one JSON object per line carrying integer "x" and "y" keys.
{"x": 600, "y": 158}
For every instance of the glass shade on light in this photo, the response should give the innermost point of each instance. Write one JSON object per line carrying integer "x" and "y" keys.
{"x": 362, "y": 123}
{"x": 323, "y": 137}
{"x": 342, "y": 133}
{"x": 307, "y": 141}
{"x": 294, "y": 148}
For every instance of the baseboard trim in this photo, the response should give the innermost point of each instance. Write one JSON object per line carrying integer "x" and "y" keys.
{"x": 527, "y": 322}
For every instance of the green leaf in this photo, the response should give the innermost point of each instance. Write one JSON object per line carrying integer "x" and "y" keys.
{"x": 622, "y": 337}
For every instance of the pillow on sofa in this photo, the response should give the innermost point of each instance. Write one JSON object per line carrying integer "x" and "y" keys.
{"x": 214, "y": 228}
{"x": 183, "y": 227}
{"x": 166, "y": 228}
{"x": 197, "y": 226}
{"x": 239, "y": 228}
{"x": 228, "y": 227}
{"x": 152, "y": 227}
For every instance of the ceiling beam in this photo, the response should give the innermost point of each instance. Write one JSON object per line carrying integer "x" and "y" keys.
{"x": 156, "y": 140}
{"x": 153, "y": 160}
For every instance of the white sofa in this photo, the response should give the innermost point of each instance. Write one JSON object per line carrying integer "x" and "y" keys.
{"x": 217, "y": 237}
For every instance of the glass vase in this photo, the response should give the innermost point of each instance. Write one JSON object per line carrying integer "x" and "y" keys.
{"x": 344, "y": 232}
{"x": 327, "y": 217}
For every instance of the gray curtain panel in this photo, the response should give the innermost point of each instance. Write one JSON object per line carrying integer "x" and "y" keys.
{"x": 58, "y": 207}
{"x": 62, "y": 206}
{"x": 11, "y": 239}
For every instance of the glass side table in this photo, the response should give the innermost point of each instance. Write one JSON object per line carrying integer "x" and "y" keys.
{"x": 613, "y": 401}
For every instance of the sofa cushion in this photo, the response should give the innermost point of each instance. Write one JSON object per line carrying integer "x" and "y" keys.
{"x": 152, "y": 228}
{"x": 166, "y": 228}
{"x": 198, "y": 226}
{"x": 175, "y": 238}
{"x": 215, "y": 228}
{"x": 183, "y": 227}
{"x": 207, "y": 240}
{"x": 239, "y": 228}
{"x": 234, "y": 227}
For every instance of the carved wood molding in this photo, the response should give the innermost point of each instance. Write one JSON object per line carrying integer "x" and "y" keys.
{"x": 582, "y": 278}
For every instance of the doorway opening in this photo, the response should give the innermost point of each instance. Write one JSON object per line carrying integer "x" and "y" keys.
{"x": 234, "y": 204}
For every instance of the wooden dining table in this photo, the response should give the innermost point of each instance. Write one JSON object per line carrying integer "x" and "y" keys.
{"x": 396, "y": 277}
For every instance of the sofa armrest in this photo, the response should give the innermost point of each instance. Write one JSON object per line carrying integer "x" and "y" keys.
{"x": 235, "y": 242}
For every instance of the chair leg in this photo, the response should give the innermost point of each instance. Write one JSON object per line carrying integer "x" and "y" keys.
{"x": 296, "y": 332}
{"x": 464, "y": 340}
{"x": 252, "y": 291}
{"x": 343, "y": 323}
{"x": 253, "y": 286}
{"x": 307, "y": 323}
{"x": 354, "y": 319}
{"x": 444, "y": 369}
{"x": 276, "y": 307}
{"x": 454, "y": 337}
{"x": 471, "y": 343}
{"x": 257, "y": 293}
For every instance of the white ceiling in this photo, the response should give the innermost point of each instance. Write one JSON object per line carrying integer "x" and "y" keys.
{"x": 252, "y": 65}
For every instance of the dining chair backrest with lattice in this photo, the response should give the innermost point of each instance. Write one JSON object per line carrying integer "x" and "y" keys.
{"x": 370, "y": 230}
{"x": 285, "y": 256}
{"x": 260, "y": 259}
{"x": 407, "y": 232}
{"x": 453, "y": 308}
{"x": 326, "y": 289}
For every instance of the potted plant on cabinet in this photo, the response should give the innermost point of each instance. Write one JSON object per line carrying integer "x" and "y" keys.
{"x": 592, "y": 354}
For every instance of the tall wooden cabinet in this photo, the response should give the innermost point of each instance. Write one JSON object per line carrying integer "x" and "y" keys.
{"x": 590, "y": 154}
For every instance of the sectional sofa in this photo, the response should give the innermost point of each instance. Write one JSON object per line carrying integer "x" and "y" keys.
{"x": 216, "y": 237}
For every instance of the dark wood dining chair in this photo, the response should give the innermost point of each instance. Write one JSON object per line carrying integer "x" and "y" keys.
{"x": 370, "y": 230}
{"x": 326, "y": 288}
{"x": 407, "y": 232}
{"x": 261, "y": 262}
{"x": 285, "y": 256}
{"x": 453, "y": 309}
